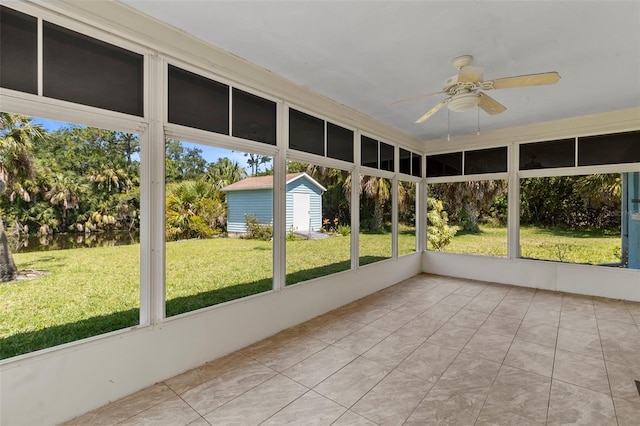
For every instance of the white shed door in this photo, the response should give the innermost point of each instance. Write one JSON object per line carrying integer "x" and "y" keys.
{"x": 301, "y": 212}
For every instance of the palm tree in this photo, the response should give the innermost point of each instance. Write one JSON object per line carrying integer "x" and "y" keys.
{"x": 65, "y": 191}
{"x": 378, "y": 190}
{"x": 17, "y": 134}
{"x": 224, "y": 172}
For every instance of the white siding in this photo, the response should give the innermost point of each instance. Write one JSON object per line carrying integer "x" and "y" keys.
{"x": 303, "y": 186}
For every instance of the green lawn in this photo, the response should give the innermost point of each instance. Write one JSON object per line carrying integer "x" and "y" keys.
{"x": 94, "y": 291}
{"x": 586, "y": 246}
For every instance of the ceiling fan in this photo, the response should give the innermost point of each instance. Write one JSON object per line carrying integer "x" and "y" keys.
{"x": 465, "y": 88}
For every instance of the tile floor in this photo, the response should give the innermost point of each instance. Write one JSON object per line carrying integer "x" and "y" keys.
{"x": 429, "y": 350}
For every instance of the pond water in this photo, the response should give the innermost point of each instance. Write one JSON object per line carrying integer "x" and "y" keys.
{"x": 74, "y": 240}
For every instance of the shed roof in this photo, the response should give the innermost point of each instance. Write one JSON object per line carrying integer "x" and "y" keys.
{"x": 266, "y": 182}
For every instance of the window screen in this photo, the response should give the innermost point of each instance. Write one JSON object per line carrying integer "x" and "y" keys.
{"x": 81, "y": 69}
{"x": 18, "y": 51}
{"x": 548, "y": 155}
{"x": 339, "y": 143}
{"x": 368, "y": 152}
{"x": 198, "y": 102}
{"x": 405, "y": 161}
{"x": 254, "y": 118}
{"x": 493, "y": 160}
{"x": 444, "y": 164}
{"x": 387, "y": 157}
{"x": 416, "y": 165}
{"x": 306, "y": 133}
{"x": 609, "y": 149}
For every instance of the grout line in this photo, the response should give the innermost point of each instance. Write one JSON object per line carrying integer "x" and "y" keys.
{"x": 615, "y": 412}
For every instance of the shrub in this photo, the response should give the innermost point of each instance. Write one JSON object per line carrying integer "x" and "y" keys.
{"x": 344, "y": 230}
{"x": 255, "y": 230}
{"x": 439, "y": 233}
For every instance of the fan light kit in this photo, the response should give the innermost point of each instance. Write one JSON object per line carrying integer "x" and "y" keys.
{"x": 465, "y": 88}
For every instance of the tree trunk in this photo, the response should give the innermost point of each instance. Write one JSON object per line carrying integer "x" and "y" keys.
{"x": 8, "y": 268}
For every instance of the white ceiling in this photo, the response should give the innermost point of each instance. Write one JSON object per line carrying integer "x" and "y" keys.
{"x": 366, "y": 54}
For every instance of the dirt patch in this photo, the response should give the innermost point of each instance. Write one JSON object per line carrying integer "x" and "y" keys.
{"x": 30, "y": 274}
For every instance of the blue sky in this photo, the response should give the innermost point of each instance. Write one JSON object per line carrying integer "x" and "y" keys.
{"x": 209, "y": 153}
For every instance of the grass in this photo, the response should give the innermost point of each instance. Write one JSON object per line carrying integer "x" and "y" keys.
{"x": 583, "y": 246}
{"x": 93, "y": 291}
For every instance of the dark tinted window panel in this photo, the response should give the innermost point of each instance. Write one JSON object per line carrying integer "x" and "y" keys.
{"x": 493, "y": 160}
{"x": 198, "y": 102}
{"x": 254, "y": 118}
{"x": 81, "y": 69}
{"x": 368, "y": 152}
{"x": 444, "y": 164}
{"x": 548, "y": 155}
{"x": 405, "y": 161}
{"x": 18, "y": 51}
{"x": 609, "y": 149}
{"x": 386, "y": 157}
{"x": 306, "y": 133}
{"x": 416, "y": 165}
{"x": 339, "y": 143}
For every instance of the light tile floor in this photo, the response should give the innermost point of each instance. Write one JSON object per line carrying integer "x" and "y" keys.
{"x": 429, "y": 350}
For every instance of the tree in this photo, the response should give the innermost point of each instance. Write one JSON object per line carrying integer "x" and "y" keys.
{"x": 17, "y": 135}
{"x": 377, "y": 191}
{"x": 224, "y": 172}
{"x": 183, "y": 163}
{"x": 255, "y": 161}
{"x": 194, "y": 210}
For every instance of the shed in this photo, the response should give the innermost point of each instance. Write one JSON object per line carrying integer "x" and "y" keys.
{"x": 254, "y": 196}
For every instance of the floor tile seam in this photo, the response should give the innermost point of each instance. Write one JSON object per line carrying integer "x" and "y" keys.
{"x": 290, "y": 403}
{"x": 583, "y": 387}
{"x": 365, "y": 394}
{"x": 304, "y": 359}
{"x": 501, "y": 365}
{"x": 242, "y": 393}
{"x": 208, "y": 380}
{"x": 553, "y": 370}
{"x": 579, "y": 331}
{"x": 196, "y": 411}
{"x": 445, "y": 370}
{"x": 346, "y": 335}
{"x": 606, "y": 369}
{"x": 154, "y": 405}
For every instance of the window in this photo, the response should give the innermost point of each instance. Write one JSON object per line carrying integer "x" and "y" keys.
{"x": 407, "y": 237}
{"x": 198, "y": 102}
{"x": 219, "y": 225}
{"x": 618, "y": 148}
{"x": 318, "y": 221}
{"x": 306, "y": 133}
{"x": 254, "y": 118}
{"x": 548, "y": 155}
{"x": 377, "y": 154}
{"x": 468, "y": 217}
{"x": 81, "y": 69}
{"x": 444, "y": 164}
{"x": 339, "y": 143}
{"x": 369, "y": 152}
{"x": 375, "y": 219}
{"x": 18, "y": 51}
{"x": 575, "y": 219}
{"x": 410, "y": 163}
{"x": 72, "y": 212}
{"x": 493, "y": 160}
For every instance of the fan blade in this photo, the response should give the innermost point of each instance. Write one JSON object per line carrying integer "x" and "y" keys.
{"x": 415, "y": 98}
{"x": 432, "y": 111}
{"x": 490, "y": 105}
{"x": 526, "y": 80}
{"x": 470, "y": 74}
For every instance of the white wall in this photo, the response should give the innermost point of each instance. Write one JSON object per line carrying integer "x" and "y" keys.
{"x": 590, "y": 280}
{"x": 60, "y": 383}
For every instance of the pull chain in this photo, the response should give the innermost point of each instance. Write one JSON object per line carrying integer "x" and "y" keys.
{"x": 478, "y": 131}
{"x": 448, "y": 125}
